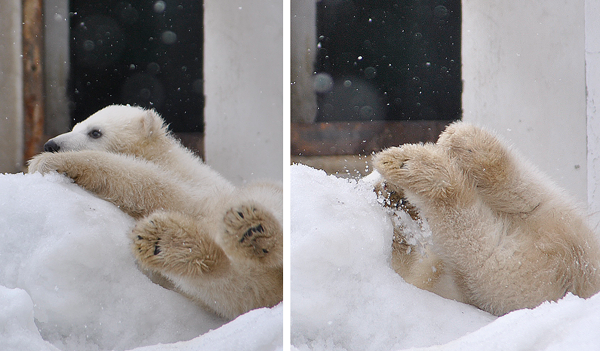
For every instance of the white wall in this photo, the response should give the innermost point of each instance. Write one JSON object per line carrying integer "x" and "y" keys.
{"x": 11, "y": 88}
{"x": 524, "y": 76}
{"x": 243, "y": 72}
{"x": 592, "y": 64}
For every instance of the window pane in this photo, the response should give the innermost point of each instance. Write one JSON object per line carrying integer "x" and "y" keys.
{"x": 146, "y": 53}
{"x": 388, "y": 60}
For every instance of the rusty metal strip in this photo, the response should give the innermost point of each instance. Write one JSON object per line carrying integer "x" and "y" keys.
{"x": 33, "y": 77}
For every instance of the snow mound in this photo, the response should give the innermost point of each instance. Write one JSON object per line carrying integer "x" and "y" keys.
{"x": 69, "y": 281}
{"x": 570, "y": 324}
{"x": 345, "y": 296}
{"x": 17, "y": 329}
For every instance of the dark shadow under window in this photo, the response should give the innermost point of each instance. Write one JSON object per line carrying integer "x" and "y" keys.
{"x": 146, "y": 53}
{"x": 388, "y": 60}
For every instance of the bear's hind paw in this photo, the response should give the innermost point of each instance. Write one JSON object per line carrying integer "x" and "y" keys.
{"x": 173, "y": 243}
{"x": 480, "y": 154}
{"x": 253, "y": 231}
{"x": 146, "y": 243}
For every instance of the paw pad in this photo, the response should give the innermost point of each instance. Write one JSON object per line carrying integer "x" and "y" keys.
{"x": 250, "y": 229}
{"x": 250, "y": 232}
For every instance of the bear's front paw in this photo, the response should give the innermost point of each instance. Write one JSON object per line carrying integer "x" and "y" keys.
{"x": 254, "y": 232}
{"x": 45, "y": 162}
{"x": 407, "y": 165}
{"x": 419, "y": 169}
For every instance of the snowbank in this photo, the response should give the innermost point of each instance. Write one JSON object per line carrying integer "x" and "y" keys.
{"x": 68, "y": 281}
{"x": 344, "y": 295}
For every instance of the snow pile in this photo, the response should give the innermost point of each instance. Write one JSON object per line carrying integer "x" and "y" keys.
{"x": 570, "y": 324}
{"x": 68, "y": 281}
{"x": 17, "y": 329}
{"x": 345, "y": 296}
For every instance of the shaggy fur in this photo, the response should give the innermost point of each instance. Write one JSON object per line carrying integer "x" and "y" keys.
{"x": 219, "y": 245}
{"x": 504, "y": 236}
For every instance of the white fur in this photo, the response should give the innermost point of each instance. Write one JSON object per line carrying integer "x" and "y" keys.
{"x": 504, "y": 236}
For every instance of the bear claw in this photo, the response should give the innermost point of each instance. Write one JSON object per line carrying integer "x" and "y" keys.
{"x": 250, "y": 232}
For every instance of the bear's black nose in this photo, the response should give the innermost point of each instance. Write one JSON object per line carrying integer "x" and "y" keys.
{"x": 51, "y": 146}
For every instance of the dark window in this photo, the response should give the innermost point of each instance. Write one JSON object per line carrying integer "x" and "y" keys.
{"x": 146, "y": 53}
{"x": 388, "y": 60}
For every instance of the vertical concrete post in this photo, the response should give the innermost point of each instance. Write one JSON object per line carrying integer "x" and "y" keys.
{"x": 592, "y": 67}
{"x": 11, "y": 88}
{"x": 243, "y": 74}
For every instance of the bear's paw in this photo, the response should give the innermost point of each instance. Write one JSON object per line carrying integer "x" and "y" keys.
{"x": 480, "y": 154}
{"x": 173, "y": 243}
{"x": 253, "y": 232}
{"x": 422, "y": 170}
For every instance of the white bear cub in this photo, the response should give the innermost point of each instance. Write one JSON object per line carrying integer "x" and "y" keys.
{"x": 503, "y": 236}
{"x": 219, "y": 245}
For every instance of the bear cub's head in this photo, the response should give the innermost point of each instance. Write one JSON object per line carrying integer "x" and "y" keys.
{"x": 116, "y": 128}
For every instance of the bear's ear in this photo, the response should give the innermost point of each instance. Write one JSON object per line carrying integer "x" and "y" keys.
{"x": 151, "y": 123}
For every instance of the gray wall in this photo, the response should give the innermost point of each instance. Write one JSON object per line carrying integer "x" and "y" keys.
{"x": 11, "y": 88}
{"x": 592, "y": 65}
{"x": 524, "y": 76}
{"x": 243, "y": 73}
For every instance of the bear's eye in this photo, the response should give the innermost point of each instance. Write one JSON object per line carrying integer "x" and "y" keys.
{"x": 95, "y": 134}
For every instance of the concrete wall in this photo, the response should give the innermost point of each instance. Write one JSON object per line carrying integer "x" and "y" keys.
{"x": 56, "y": 66}
{"x": 243, "y": 73}
{"x": 592, "y": 64}
{"x": 11, "y": 88}
{"x": 303, "y": 54}
{"x": 524, "y": 76}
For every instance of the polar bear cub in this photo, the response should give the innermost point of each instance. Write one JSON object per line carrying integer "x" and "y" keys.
{"x": 217, "y": 244}
{"x": 503, "y": 236}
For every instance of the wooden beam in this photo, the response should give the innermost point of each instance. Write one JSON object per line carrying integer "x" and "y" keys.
{"x": 359, "y": 138}
{"x": 33, "y": 77}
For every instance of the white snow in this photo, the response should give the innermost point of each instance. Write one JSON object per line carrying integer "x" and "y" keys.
{"x": 345, "y": 296}
{"x": 68, "y": 281}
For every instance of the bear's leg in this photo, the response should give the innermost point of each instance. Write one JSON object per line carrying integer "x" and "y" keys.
{"x": 172, "y": 243}
{"x": 425, "y": 172}
{"x": 465, "y": 231}
{"x": 137, "y": 187}
{"x": 251, "y": 232}
{"x": 494, "y": 169}
{"x": 443, "y": 195}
